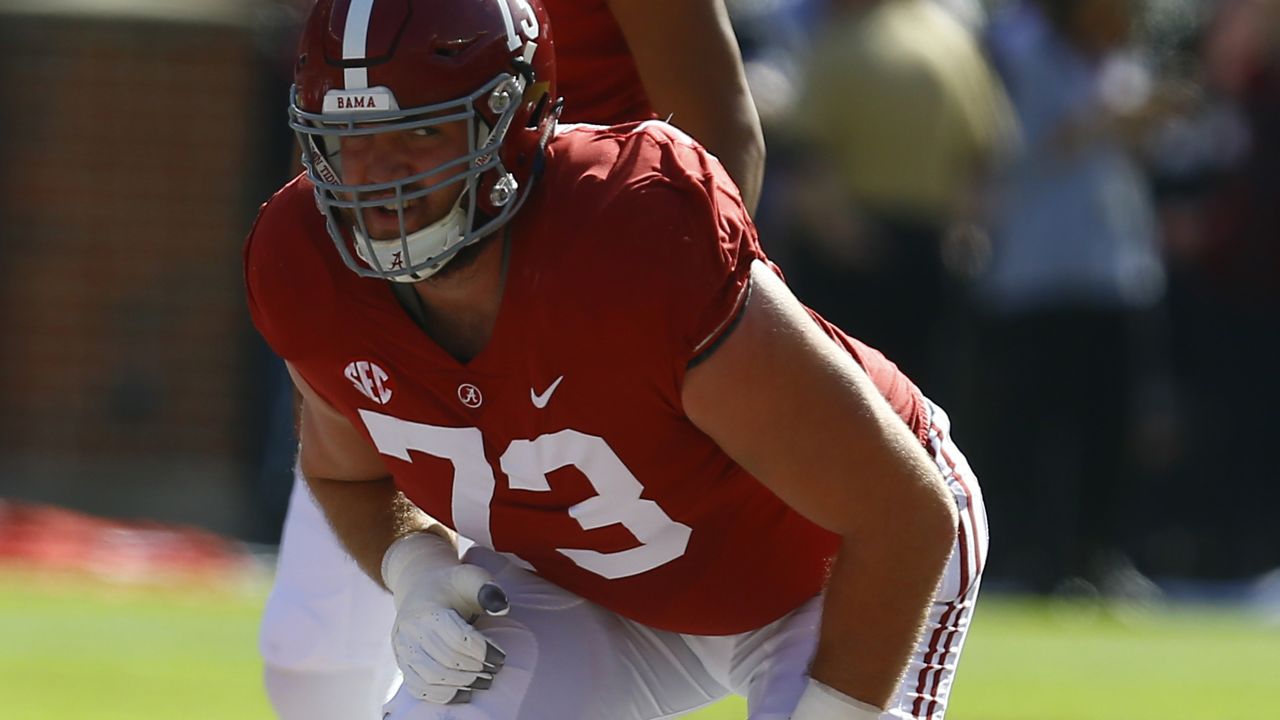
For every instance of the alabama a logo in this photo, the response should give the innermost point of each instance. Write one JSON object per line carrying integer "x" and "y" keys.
{"x": 371, "y": 380}
{"x": 470, "y": 395}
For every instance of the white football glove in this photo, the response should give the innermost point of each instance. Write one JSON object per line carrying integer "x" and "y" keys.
{"x": 437, "y": 597}
{"x": 823, "y": 702}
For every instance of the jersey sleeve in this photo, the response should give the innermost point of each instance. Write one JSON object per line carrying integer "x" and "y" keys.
{"x": 285, "y": 278}
{"x": 687, "y": 245}
{"x": 710, "y": 277}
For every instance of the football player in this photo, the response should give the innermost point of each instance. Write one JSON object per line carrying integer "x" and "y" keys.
{"x": 567, "y": 345}
{"x": 325, "y": 638}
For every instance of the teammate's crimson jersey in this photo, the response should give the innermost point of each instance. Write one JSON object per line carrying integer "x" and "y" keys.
{"x": 594, "y": 69}
{"x": 564, "y": 441}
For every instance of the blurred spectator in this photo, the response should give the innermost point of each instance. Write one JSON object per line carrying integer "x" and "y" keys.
{"x": 971, "y": 13}
{"x": 1223, "y": 246}
{"x": 904, "y": 117}
{"x": 774, "y": 37}
{"x": 1068, "y": 297}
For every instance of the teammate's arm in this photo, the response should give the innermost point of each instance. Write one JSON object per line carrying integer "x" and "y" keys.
{"x": 688, "y": 59}
{"x": 816, "y": 431}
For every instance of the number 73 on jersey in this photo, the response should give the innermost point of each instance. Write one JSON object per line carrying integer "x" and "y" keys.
{"x": 525, "y": 463}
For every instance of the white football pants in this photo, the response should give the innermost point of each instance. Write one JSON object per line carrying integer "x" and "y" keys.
{"x": 569, "y": 659}
{"x": 326, "y": 629}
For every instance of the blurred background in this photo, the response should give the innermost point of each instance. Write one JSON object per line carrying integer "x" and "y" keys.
{"x": 1061, "y": 217}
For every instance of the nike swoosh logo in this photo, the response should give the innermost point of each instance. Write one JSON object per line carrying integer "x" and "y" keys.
{"x": 540, "y": 400}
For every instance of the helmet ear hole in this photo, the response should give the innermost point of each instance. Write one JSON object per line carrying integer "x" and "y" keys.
{"x": 535, "y": 117}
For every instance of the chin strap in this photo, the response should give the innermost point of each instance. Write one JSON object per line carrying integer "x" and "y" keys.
{"x": 391, "y": 255}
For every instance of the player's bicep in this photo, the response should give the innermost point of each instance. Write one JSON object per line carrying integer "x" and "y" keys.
{"x": 330, "y": 447}
{"x": 797, "y": 412}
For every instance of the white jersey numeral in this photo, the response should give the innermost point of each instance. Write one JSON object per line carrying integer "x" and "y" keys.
{"x": 464, "y": 447}
{"x": 617, "y": 501}
{"x": 526, "y": 463}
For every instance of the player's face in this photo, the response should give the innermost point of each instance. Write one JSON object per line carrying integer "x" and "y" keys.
{"x": 390, "y": 156}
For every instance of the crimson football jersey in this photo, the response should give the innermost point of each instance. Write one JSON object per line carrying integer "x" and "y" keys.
{"x": 595, "y": 72}
{"x": 563, "y": 442}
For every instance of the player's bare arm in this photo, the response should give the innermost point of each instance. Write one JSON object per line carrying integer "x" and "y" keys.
{"x": 815, "y": 430}
{"x": 351, "y": 483}
{"x": 688, "y": 59}
{"x": 442, "y": 658}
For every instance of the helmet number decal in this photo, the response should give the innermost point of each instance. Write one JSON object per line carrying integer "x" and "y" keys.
{"x": 528, "y": 25}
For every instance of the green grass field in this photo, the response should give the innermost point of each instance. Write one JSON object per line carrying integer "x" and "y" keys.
{"x": 78, "y": 649}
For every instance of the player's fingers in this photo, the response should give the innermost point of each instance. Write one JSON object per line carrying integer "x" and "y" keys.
{"x": 421, "y": 670}
{"x": 494, "y": 657}
{"x": 427, "y": 635}
{"x": 437, "y": 694}
{"x": 493, "y": 660}
{"x": 444, "y": 635}
{"x": 460, "y": 696}
{"x": 472, "y": 591}
{"x": 431, "y": 692}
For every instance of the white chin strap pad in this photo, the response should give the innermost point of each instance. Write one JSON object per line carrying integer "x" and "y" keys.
{"x": 431, "y": 241}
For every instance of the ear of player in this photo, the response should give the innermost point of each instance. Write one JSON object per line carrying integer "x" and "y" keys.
{"x": 443, "y": 657}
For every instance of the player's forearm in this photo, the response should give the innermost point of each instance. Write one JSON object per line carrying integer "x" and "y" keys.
{"x": 877, "y": 601}
{"x": 368, "y": 516}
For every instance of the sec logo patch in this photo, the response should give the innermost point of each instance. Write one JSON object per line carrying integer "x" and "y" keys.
{"x": 372, "y": 381}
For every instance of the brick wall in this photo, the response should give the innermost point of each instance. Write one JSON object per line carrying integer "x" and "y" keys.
{"x": 125, "y": 146}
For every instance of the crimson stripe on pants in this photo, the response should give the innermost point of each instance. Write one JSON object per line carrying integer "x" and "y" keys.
{"x": 954, "y": 632}
{"x": 928, "y": 659}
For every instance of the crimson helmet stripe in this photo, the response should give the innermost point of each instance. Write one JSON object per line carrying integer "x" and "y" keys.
{"x": 354, "y": 38}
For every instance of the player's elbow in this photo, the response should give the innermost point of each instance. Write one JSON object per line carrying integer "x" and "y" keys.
{"x": 753, "y": 147}
{"x": 939, "y": 518}
{"x": 929, "y": 519}
{"x": 918, "y": 520}
{"x": 753, "y": 159}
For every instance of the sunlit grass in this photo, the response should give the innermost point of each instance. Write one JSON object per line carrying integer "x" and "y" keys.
{"x": 74, "y": 648}
{"x": 1033, "y": 661}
